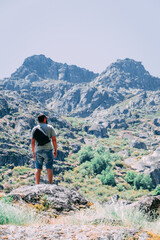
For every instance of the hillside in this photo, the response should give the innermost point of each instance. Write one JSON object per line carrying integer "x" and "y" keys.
{"x": 117, "y": 110}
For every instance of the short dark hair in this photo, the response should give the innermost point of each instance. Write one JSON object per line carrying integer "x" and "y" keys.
{"x": 41, "y": 118}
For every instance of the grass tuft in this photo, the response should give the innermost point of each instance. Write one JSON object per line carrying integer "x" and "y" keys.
{"x": 17, "y": 215}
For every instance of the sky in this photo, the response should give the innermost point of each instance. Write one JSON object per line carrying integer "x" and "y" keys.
{"x": 88, "y": 33}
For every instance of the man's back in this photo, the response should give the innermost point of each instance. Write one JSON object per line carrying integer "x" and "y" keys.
{"x": 49, "y": 131}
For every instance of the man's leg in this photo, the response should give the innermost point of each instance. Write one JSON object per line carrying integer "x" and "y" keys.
{"x": 38, "y": 175}
{"x": 50, "y": 175}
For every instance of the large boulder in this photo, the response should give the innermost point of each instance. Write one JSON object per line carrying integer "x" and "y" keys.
{"x": 138, "y": 144}
{"x": 148, "y": 205}
{"x": 59, "y": 198}
{"x": 98, "y": 130}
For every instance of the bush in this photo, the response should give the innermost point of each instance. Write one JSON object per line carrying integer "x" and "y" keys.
{"x": 101, "y": 150}
{"x": 147, "y": 182}
{"x": 99, "y": 163}
{"x": 86, "y": 169}
{"x": 86, "y": 154}
{"x": 157, "y": 190}
{"x": 120, "y": 187}
{"x": 108, "y": 178}
{"x": 130, "y": 176}
{"x": 143, "y": 181}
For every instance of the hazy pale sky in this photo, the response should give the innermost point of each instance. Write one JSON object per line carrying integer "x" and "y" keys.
{"x": 87, "y": 33}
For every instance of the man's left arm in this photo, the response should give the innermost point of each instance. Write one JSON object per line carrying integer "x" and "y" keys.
{"x": 54, "y": 141}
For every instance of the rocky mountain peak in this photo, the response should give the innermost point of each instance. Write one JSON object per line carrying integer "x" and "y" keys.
{"x": 128, "y": 73}
{"x": 128, "y": 66}
{"x": 39, "y": 67}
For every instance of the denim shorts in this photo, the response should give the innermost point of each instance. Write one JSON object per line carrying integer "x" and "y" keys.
{"x": 46, "y": 157}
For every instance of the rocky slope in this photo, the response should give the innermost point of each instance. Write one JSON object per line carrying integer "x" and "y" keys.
{"x": 124, "y": 98}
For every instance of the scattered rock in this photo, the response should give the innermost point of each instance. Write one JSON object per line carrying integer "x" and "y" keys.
{"x": 1, "y": 187}
{"x": 156, "y": 122}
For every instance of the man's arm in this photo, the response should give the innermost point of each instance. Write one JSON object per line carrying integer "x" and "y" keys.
{"x": 33, "y": 147}
{"x": 55, "y": 146}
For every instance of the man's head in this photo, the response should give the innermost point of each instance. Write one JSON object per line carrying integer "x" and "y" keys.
{"x": 42, "y": 118}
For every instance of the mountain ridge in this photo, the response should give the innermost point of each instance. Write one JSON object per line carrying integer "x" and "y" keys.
{"x": 76, "y": 91}
{"x": 45, "y": 68}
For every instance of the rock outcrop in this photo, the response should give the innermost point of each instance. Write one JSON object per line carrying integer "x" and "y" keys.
{"x": 59, "y": 198}
{"x": 128, "y": 73}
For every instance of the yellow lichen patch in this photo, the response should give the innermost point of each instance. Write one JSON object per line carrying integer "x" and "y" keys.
{"x": 89, "y": 204}
{"x": 39, "y": 207}
{"x": 153, "y": 236}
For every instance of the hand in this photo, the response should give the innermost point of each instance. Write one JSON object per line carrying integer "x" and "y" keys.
{"x": 55, "y": 154}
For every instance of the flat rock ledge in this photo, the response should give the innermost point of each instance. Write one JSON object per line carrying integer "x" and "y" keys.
{"x": 73, "y": 232}
{"x": 59, "y": 198}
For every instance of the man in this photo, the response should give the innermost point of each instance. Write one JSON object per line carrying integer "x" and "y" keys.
{"x": 43, "y": 153}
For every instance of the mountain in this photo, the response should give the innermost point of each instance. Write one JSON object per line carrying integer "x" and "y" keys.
{"x": 77, "y": 91}
{"x": 39, "y": 67}
{"x": 128, "y": 74}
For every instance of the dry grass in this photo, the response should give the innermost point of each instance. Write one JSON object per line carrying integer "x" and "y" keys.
{"x": 111, "y": 215}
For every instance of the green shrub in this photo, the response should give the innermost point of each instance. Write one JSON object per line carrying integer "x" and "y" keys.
{"x": 114, "y": 157}
{"x": 143, "y": 181}
{"x": 157, "y": 190}
{"x": 108, "y": 178}
{"x": 86, "y": 154}
{"x": 120, "y": 187}
{"x": 99, "y": 163}
{"x": 137, "y": 181}
{"x": 147, "y": 182}
{"x": 101, "y": 150}
{"x": 130, "y": 176}
{"x": 86, "y": 169}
